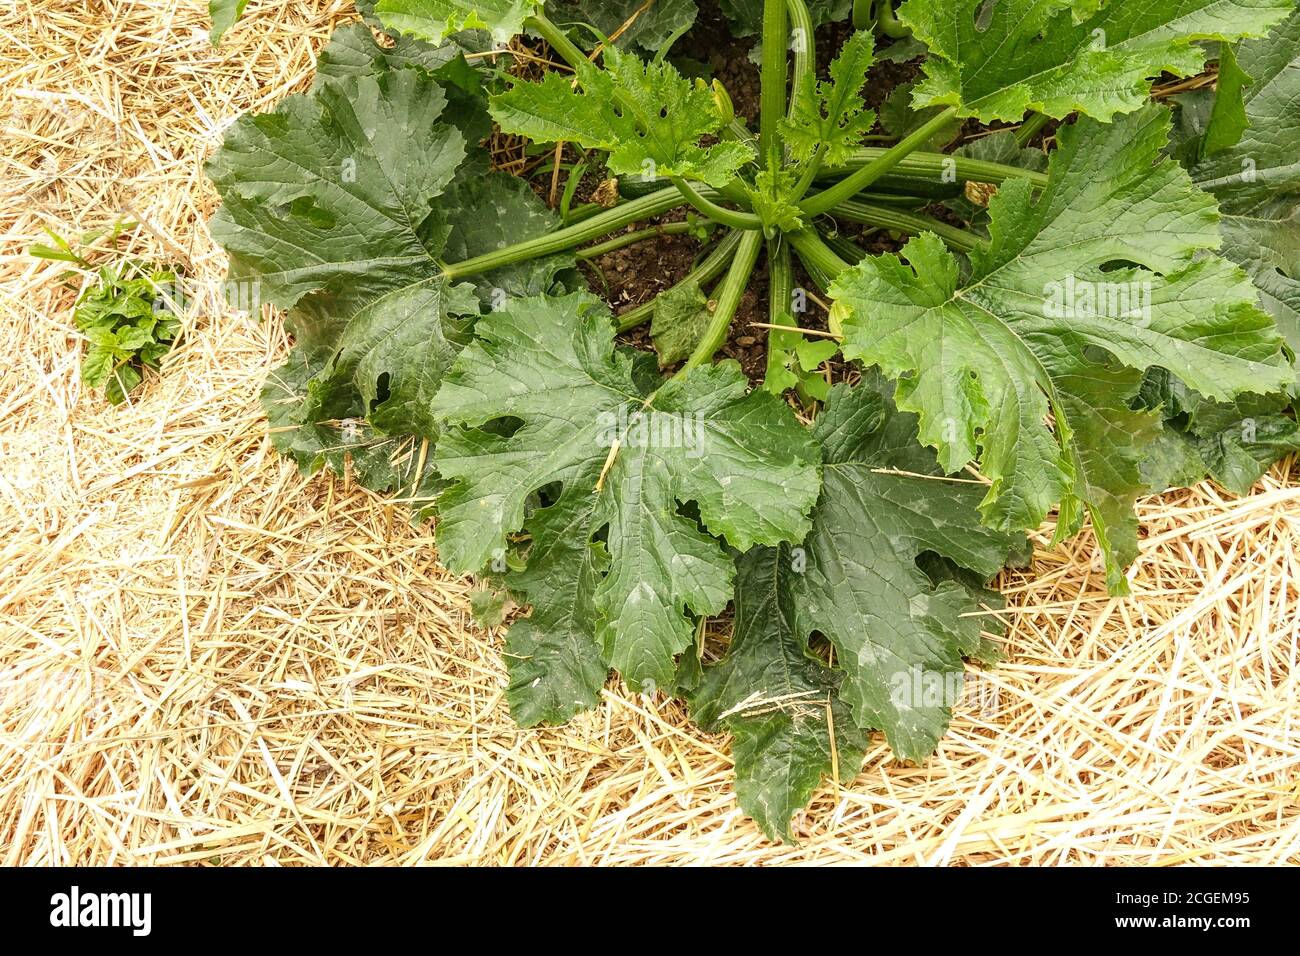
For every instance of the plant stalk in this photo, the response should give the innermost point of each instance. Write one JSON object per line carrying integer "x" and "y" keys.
{"x": 632, "y": 238}
{"x": 597, "y": 226}
{"x": 891, "y": 217}
{"x": 815, "y": 254}
{"x": 727, "y": 296}
{"x": 889, "y": 23}
{"x": 1030, "y": 127}
{"x": 805, "y": 49}
{"x": 864, "y": 14}
{"x": 559, "y": 42}
{"x": 780, "y": 283}
{"x": 809, "y": 174}
{"x": 772, "y": 78}
{"x": 846, "y": 249}
{"x": 859, "y": 180}
{"x": 938, "y": 164}
{"x": 713, "y": 266}
{"x": 728, "y": 217}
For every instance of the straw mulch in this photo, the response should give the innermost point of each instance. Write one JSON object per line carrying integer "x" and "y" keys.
{"x": 206, "y": 658}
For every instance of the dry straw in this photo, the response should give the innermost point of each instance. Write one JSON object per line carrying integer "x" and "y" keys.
{"x": 205, "y": 658}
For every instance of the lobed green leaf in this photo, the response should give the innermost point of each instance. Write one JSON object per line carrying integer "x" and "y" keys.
{"x": 1000, "y": 59}
{"x": 986, "y": 358}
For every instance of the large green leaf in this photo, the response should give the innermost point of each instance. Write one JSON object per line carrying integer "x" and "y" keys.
{"x": 391, "y": 357}
{"x": 352, "y": 51}
{"x": 899, "y": 631}
{"x": 1232, "y": 442}
{"x": 341, "y": 206}
{"x": 646, "y": 115}
{"x": 329, "y": 211}
{"x": 899, "y": 634}
{"x": 333, "y": 194}
{"x": 398, "y": 464}
{"x": 999, "y": 59}
{"x": 388, "y": 358}
{"x": 778, "y": 703}
{"x": 1102, "y": 277}
{"x": 550, "y": 366}
{"x": 831, "y": 115}
{"x": 554, "y": 660}
{"x": 1257, "y": 179}
{"x": 435, "y": 20}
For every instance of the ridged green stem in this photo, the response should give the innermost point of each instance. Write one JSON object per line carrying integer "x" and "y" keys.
{"x": 891, "y": 217}
{"x": 864, "y": 14}
{"x": 937, "y": 164}
{"x": 632, "y": 238}
{"x": 727, "y": 296}
{"x": 728, "y": 217}
{"x": 559, "y": 41}
{"x": 859, "y": 180}
{"x": 805, "y": 51}
{"x": 591, "y": 229}
{"x": 889, "y": 23}
{"x": 1030, "y": 127}
{"x": 771, "y": 77}
{"x": 815, "y": 254}
{"x": 780, "y": 284}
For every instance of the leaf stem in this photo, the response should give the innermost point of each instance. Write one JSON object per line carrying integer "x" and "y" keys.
{"x": 937, "y": 164}
{"x": 1029, "y": 128}
{"x": 846, "y": 249}
{"x": 864, "y": 14}
{"x": 713, "y": 266}
{"x": 728, "y": 217}
{"x": 632, "y": 238}
{"x": 559, "y": 42}
{"x": 889, "y": 23}
{"x": 891, "y": 217}
{"x": 780, "y": 284}
{"x": 585, "y": 211}
{"x": 597, "y": 226}
{"x": 727, "y": 296}
{"x": 859, "y": 180}
{"x": 809, "y": 174}
{"x": 772, "y": 77}
{"x": 805, "y": 49}
{"x": 815, "y": 254}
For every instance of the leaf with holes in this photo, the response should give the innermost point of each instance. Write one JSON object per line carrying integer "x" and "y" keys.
{"x": 831, "y": 116}
{"x": 1103, "y": 276}
{"x": 1000, "y": 59}
{"x": 643, "y": 451}
{"x": 899, "y": 630}
{"x": 648, "y": 117}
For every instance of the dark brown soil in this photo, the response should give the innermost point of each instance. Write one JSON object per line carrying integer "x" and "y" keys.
{"x": 629, "y": 277}
{"x": 711, "y": 42}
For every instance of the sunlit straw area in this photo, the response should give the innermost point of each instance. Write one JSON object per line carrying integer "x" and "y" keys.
{"x": 207, "y": 658}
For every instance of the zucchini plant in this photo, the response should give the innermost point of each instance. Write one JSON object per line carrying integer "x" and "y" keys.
{"x": 1064, "y": 348}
